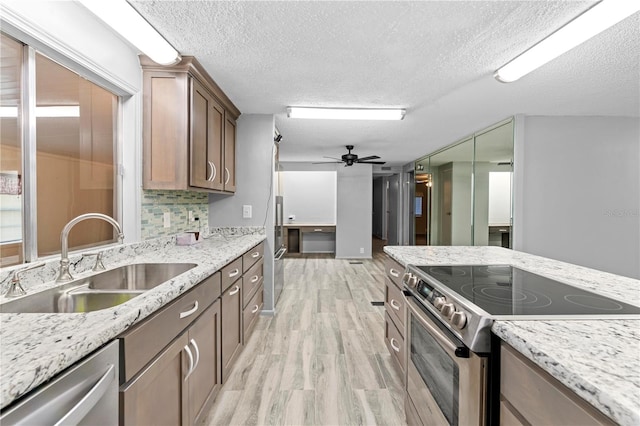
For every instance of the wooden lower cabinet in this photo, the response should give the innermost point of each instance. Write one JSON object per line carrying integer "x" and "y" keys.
{"x": 531, "y": 396}
{"x": 157, "y": 396}
{"x": 231, "y": 308}
{"x": 179, "y": 385}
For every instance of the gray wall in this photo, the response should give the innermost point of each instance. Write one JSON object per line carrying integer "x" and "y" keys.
{"x": 577, "y": 191}
{"x": 254, "y": 182}
{"x": 353, "y": 225}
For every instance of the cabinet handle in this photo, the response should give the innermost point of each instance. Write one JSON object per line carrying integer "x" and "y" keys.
{"x": 256, "y": 254}
{"x": 227, "y": 176}
{"x": 254, "y": 279}
{"x": 394, "y": 273}
{"x": 190, "y": 355}
{"x": 213, "y": 171}
{"x": 317, "y": 230}
{"x": 394, "y": 304}
{"x": 255, "y": 309}
{"x": 190, "y": 311}
{"x": 234, "y": 273}
{"x": 197, "y": 361}
{"x": 234, "y": 291}
{"x": 395, "y": 346}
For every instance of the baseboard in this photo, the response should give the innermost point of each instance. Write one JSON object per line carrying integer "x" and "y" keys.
{"x": 268, "y": 313}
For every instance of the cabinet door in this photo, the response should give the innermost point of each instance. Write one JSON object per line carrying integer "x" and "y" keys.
{"x": 229, "y": 154}
{"x": 231, "y": 316}
{"x": 205, "y": 380}
{"x": 205, "y": 139}
{"x": 157, "y": 396}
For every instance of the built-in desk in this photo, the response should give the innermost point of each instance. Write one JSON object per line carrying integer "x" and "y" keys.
{"x": 324, "y": 238}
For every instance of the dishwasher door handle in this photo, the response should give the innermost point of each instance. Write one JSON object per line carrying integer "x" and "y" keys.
{"x": 90, "y": 400}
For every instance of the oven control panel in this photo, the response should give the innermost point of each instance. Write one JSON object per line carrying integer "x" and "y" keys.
{"x": 428, "y": 294}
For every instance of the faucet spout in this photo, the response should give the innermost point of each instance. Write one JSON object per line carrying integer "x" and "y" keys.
{"x": 64, "y": 274}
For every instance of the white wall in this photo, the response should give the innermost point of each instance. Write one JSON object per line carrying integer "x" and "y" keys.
{"x": 254, "y": 182}
{"x": 577, "y": 191}
{"x": 353, "y": 226}
{"x": 69, "y": 34}
{"x": 310, "y": 196}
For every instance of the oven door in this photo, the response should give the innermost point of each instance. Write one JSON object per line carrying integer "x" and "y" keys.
{"x": 446, "y": 383}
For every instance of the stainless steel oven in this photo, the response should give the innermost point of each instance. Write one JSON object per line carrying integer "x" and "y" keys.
{"x": 446, "y": 382}
{"x": 451, "y": 368}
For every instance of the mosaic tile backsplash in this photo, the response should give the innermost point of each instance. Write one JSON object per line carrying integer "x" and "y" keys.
{"x": 178, "y": 204}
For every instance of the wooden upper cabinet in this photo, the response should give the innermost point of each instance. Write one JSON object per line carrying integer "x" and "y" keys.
{"x": 230, "y": 154}
{"x": 189, "y": 129}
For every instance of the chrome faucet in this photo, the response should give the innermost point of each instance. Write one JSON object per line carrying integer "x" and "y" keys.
{"x": 64, "y": 274}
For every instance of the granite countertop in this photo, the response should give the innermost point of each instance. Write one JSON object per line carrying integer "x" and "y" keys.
{"x": 36, "y": 347}
{"x": 599, "y": 360}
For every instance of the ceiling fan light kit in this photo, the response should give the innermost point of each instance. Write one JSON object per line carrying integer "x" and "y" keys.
{"x": 346, "y": 113}
{"x": 350, "y": 159}
{"x": 603, "y": 15}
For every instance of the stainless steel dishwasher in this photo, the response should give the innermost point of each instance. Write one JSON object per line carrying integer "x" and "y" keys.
{"x": 84, "y": 394}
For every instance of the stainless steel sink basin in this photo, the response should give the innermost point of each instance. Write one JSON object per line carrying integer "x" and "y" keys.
{"x": 101, "y": 291}
{"x": 138, "y": 276}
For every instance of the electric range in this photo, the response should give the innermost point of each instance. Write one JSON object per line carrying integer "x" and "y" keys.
{"x": 466, "y": 299}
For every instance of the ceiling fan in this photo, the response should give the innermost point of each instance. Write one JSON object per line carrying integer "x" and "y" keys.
{"x": 350, "y": 159}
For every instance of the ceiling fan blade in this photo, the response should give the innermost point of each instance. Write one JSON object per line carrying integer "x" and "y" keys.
{"x": 372, "y": 162}
{"x": 333, "y": 158}
{"x": 371, "y": 157}
{"x": 327, "y": 162}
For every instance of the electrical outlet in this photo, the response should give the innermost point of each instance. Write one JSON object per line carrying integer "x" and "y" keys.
{"x": 166, "y": 219}
{"x": 246, "y": 211}
{"x": 361, "y": 250}
{"x": 190, "y": 213}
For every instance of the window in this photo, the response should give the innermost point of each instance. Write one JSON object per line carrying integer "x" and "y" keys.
{"x": 58, "y": 162}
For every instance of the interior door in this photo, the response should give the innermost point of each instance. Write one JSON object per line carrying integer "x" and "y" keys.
{"x": 392, "y": 210}
{"x": 446, "y": 211}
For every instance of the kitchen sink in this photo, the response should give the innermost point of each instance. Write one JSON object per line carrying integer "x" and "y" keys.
{"x": 138, "y": 276}
{"x": 100, "y": 291}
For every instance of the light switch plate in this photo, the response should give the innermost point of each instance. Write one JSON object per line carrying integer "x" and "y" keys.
{"x": 246, "y": 211}
{"x": 166, "y": 219}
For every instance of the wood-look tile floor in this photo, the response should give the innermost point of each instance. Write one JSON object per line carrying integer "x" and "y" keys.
{"x": 322, "y": 359}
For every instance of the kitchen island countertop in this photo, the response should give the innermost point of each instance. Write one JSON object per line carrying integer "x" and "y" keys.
{"x": 36, "y": 347}
{"x": 599, "y": 360}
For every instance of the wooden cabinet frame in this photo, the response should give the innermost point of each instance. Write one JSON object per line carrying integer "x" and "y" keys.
{"x": 189, "y": 129}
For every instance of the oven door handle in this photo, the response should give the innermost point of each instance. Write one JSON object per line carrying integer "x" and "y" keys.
{"x": 461, "y": 351}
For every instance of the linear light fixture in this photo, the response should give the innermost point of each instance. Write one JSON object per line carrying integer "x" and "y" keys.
{"x": 603, "y": 15}
{"x": 44, "y": 111}
{"x": 346, "y": 113}
{"x": 125, "y": 20}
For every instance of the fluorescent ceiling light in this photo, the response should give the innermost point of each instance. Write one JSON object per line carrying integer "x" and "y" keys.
{"x": 346, "y": 113}
{"x": 592, "y": 22}
{"x": 124, "y": 19}
{"x": 44, "y": 111}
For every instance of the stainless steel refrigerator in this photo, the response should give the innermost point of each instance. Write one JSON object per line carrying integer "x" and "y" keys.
{"x": 280, "y": 250}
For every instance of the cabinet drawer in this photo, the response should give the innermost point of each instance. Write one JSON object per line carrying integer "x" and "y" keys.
{"x": 231, "y": 273}
{"x": 394, "y": 271}
{"x": 538, "y": 397}
{"x": 251, "y": 280}
{"x": 251, "y": 313}
{"x": 394, "y": 341}
{"x": 326, "y": 228}
{"x": 145, "y": 340}
{"x": 252, "y": 256}
{"x": 395, "y": 305}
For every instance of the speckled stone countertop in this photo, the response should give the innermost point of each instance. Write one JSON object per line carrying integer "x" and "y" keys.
{"x": 36, "y": 347}
{"x": 599, "y": 360}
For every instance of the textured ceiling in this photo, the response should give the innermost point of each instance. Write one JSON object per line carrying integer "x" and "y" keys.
{"x": 434, "y": 58}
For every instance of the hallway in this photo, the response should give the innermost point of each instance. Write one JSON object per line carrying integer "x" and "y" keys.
{"x": 322, "y": 359}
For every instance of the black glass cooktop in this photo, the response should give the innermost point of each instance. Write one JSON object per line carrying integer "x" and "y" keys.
{"x": 507, "y": 290}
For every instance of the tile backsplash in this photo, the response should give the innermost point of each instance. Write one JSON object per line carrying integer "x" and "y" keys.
{"x": 177, "y": 204}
